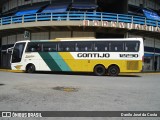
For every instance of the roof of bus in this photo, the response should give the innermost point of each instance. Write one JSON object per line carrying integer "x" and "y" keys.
{"x": 84, "y": 39}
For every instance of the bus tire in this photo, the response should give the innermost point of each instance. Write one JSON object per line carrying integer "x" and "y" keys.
{"x": 30, "y": 68}
{"x": 113, "y": 70}
{"x": 99, "y": 70}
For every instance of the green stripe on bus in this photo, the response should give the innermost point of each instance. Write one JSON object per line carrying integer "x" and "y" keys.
{"x": 50, "y": 61}
{"x": 60, "y": 62}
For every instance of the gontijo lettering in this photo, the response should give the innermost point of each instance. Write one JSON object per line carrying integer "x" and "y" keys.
{"x": 93, "y": 55}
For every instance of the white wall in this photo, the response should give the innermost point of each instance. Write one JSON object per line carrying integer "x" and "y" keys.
{"x": 20, "y": 37}
{"x": 11, "y": 39}
{"x": 83, "y": 34}
{"x": 40, "y": 36}
{"x": 133, "y": 36}
{"x": 4, "y": 40}
{"x": 157, "y": 43}
{"x": 34, "y": 1}
{"x": 132, "y": 2}
{"x": 135, "y": 2}
{"x": 63, "y": 34}
{"x": 45, "y": 36}
{"x": 60, "y": 34}
{"x": 5, "y": 7}
{"x": 150, "y": 4}
{"x": 13, "y": 4}
{"x": 149, "y": 42}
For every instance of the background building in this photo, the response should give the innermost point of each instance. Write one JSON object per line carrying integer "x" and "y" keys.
{"x": 49, "y": 19}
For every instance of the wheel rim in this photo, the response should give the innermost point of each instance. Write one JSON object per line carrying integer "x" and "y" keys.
{"x": 100, "y": 70}
{"x": 31, "y": 69}
{"x": 113, "y": 71}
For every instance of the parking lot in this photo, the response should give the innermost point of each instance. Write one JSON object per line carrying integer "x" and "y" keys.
{"x": 79, "y": 92}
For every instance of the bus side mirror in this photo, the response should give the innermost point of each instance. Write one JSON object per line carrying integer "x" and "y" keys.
{"x": 9, "y": 50}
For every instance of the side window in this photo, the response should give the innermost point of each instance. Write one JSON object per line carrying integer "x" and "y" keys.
{"x": 132, "y": 46}
{"x": 66, "y": 46}
{"x": 116, "y": 46}
{"x": 83, "y": 46}
{"x": 49, "y": 47}
{"x": 101, "y": 46}
{"x": 34, "y": 47}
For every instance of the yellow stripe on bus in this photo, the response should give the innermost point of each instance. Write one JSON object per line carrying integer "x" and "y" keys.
{"x": 88, "y": 65}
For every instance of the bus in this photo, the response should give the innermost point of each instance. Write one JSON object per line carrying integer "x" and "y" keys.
{"x": 100, "y": 56}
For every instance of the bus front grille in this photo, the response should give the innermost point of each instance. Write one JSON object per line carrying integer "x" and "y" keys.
{"x": 132, "y": 65}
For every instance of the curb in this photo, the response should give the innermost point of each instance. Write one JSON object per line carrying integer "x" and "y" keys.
{"x": 14, "y": 71}
{"x": 21, "y": 71}
{"x": 142, "y": 73}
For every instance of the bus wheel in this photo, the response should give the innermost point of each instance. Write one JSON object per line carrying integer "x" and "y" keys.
{"x": 99, "y": 70}
{"x": 113, "y": 70}
{"x": 30, "y": 68}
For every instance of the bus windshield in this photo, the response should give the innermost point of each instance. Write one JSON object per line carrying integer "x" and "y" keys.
{"x": 17, "y": 52}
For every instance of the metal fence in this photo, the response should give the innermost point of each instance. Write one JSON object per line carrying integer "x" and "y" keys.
{"x": 79, "y": 16}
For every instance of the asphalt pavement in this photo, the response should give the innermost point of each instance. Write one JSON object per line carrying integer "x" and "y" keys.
{"x": 79, "y": 92}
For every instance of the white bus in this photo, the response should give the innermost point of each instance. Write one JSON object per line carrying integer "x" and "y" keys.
{"x": 101, "y": 56}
